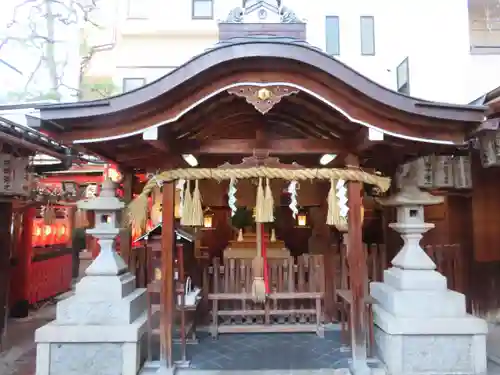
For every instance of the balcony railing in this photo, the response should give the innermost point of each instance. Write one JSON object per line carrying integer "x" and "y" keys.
{"x": 485, "y": 49}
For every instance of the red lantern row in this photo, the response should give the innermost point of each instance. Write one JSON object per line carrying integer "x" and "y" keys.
{"x": 53, "y": 234}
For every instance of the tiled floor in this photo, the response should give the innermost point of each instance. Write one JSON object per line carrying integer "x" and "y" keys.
{"x": 277, "y": 351}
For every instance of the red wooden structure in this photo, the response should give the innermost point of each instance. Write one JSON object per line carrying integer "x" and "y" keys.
{"x": 43, "y": 255}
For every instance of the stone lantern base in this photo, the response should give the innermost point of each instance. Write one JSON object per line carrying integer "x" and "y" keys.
{"x": 421, "y": 327}
{"x": 97, "y": 331}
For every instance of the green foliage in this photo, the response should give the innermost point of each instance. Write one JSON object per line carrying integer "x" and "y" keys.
{"x": 242, "y": 218}
{"x": 93, "y": 88}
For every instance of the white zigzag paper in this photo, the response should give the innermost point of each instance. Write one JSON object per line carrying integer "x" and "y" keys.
{"x": 292, "y": 189}
{"x": 342, "y": 197}
{"x": 232, "y": 196}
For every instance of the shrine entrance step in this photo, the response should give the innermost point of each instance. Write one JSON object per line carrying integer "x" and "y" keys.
{"x": 265, "y": 372}
{"x": 268, "y": 351}
{"x": 342, "y": 371}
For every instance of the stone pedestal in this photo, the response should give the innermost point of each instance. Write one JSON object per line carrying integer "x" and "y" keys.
{"x": 99, "y": 330}
{"x": 421, "y": 327}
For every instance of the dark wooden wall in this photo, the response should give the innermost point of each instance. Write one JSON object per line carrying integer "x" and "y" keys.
{"x": 484, "y": 259}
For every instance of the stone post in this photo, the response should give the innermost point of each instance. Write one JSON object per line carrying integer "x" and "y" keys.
{"x": 421, "y": 327}
{"x": 97, "y": 331}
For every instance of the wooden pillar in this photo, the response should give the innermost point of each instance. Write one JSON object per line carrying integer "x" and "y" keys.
{"x": 5, "y": 266}
{"x": 167, "y": 272}
{"x": 126, "y": 233}
{"x": 356, "y": 258}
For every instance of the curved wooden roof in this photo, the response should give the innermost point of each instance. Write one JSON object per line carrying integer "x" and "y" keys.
{"x": 191, "y": 105}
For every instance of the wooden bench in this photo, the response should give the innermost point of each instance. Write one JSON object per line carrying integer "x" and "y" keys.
{"x": 267, "y": 311}
{"x": 344, "y": 297}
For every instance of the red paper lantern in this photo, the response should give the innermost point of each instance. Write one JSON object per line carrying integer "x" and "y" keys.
{"x": 48, "y": 235}
{"x": 62, "y": 233}
{"x": 37, "y": 233}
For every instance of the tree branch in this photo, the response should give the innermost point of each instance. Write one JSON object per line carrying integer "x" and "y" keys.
{"x": 34, "y": 24}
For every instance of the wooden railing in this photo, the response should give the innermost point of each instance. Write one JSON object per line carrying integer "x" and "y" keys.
{"x": 293, "y": 305}
{"x": 337, "y": 274}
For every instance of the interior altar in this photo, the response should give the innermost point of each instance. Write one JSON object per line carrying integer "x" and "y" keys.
{"x": 246, "y": 247}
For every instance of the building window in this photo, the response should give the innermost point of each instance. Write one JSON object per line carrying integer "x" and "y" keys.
{"x": 137, "y": 9}
{"x": 332, "y": 30}
{"x": 367, "y": 24}
{"x": 129, "y": 84}
{"x": 403, "y": 77}
{"x": 203, "y": 9}
{"x": 484, "y": 27}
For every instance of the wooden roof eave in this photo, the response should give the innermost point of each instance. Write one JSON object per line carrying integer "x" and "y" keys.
{"x": 262, "y": 48}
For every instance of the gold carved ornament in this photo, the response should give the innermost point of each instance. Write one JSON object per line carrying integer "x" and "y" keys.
{"x": 263, "y": 98}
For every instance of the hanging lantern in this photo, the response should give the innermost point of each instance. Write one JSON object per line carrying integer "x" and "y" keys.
{"x": 443, "y": 171}
{"x": 462, "y": 175}
{"x": 156, "y": 206}
{"x": 37, "y": 233}
{"x": 208, "y": 218}
{"x": 489, "y": 148}
{"x": 302, "y": 219}
{"x": 61, "y": 233}
{"x": 115, "y": 175}
{"x": 48, "y": 235}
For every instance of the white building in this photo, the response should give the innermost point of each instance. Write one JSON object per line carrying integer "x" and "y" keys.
{"x": 446, "y": 50}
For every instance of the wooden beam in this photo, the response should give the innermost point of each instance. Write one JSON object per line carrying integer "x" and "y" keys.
{"x": 159, "y": 145}
{"x": 167, "y": 274}
{"x": 136, "y": 154}
{"x": 360, "y": 142}
{"x": 275, "y": 146}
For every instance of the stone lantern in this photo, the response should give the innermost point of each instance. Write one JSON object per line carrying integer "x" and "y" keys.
{"x": 99, "y": 329}
{"x": 106, "y": 207}
{"x": 421, "y": 327}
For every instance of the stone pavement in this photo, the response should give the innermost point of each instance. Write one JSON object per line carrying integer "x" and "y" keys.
{"x": 18, "y": 357}
{"x": 19, "y": 351}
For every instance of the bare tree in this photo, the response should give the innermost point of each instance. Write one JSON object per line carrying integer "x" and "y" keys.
{"x": 49, "y": 30}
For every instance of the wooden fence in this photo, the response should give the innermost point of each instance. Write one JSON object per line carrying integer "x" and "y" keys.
{"x": 294, "y": 304}
{"x": 449, "y": 262}
{"x": 303, "y": 289}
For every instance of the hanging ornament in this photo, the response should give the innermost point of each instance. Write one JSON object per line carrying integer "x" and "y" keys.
{"x": 188, "y": 206}
{"x": 260, "y": 203}
{"x": 268, "y": 203}
{"x": 197, "y": 210}
{"x": 292, "y": 189}
{"x": 342, "y": 197}
{"x": 180, "y": 188}
{"x": 232, "y": 196}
